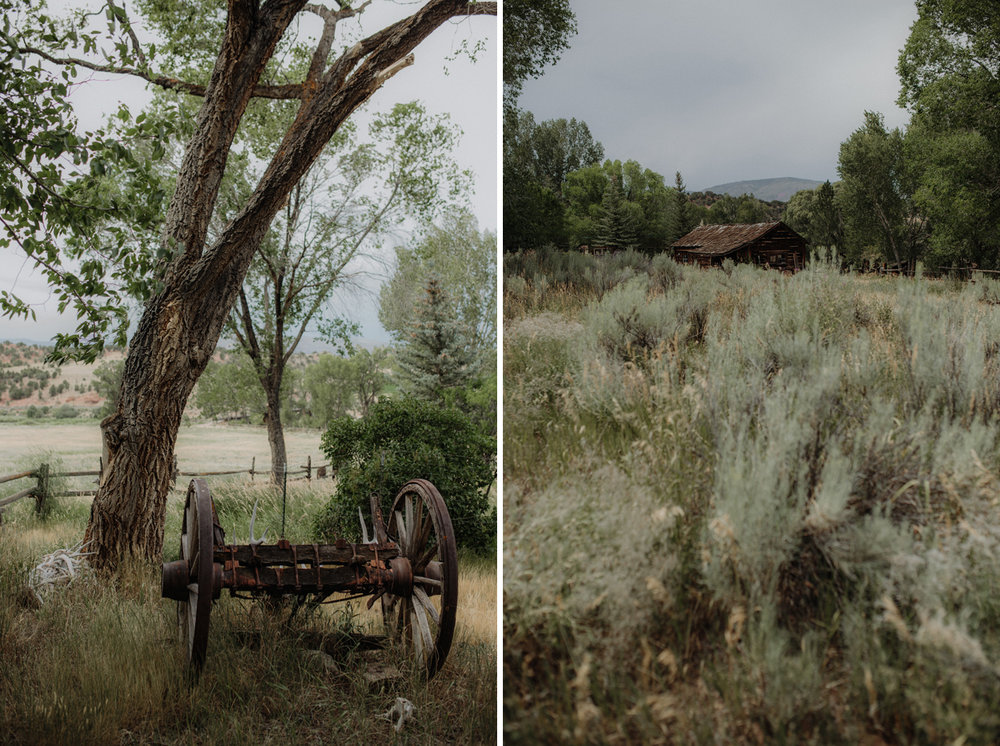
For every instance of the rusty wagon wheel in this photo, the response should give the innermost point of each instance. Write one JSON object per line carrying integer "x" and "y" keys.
{"x": 422, "y": 618}
{"x": 196, "y": 548}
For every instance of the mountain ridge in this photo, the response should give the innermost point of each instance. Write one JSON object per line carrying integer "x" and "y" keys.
{"x": 766, "y": 190}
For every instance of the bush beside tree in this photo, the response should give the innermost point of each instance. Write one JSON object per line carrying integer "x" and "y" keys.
{"x": 403, "y": 439}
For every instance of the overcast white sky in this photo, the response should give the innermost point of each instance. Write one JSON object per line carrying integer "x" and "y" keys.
{"x": 466, "y": 91}
{"x": 727, "y": 90}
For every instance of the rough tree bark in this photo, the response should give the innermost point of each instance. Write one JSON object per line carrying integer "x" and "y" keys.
{"x": 180, "y": 326}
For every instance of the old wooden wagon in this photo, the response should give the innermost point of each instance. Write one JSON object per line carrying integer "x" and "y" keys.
{"x": 409, "y": 565}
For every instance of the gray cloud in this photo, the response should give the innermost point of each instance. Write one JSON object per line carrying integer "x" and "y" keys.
{"x": 725, "y": 90}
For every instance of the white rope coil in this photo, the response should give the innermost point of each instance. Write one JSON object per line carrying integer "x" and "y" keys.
{"x": 59, "y": 568}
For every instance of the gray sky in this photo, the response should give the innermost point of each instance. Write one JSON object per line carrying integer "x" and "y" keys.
{"x": 466, "y": 91}
{"x": 727, "y": 90}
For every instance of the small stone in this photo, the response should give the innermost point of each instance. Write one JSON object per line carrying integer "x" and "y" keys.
{"x": 321, "y": 660}
{"x": 377, "y": 675}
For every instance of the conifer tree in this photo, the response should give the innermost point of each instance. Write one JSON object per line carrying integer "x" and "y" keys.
{"x": 615, "y": 229}
{"x": 685, "y": 219}
{"x": 439, "y": 354}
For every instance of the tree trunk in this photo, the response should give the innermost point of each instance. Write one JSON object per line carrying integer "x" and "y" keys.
{"x": 275, "y": 431}
{"x": 169, "y": 351}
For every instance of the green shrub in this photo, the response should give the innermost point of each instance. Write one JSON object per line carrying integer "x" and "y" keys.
{"x": 65, "y": 412}
{"x": 404, "y": 439}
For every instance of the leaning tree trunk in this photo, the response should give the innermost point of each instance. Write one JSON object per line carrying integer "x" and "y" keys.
{"x": 168, "y": 352}
{"x": 180, "y": 326}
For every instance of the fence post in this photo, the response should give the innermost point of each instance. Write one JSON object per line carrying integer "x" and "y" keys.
{"x": 253, "y": 465}
{"x": 309, "y": 464}
{"x": 42, "y": 489}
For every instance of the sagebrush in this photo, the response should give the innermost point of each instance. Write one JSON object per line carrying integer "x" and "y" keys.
{"x": 742, "y": 506}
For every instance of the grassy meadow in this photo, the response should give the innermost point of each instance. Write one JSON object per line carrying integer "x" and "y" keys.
{"x": 101, "y": 663}
{"x": 747, "y": 507}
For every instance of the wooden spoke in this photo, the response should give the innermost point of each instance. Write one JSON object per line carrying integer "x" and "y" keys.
{"x": 417, "y": 633}
{"x": 402, "y": 535}
{"x": 422, "y": 600}
{"x": 423, "y": 632}
{"x": 408, "y": 504}
{"x": 427, "y": 581}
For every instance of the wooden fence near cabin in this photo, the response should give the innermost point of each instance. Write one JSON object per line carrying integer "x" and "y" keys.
{"x": 41, "y": 491}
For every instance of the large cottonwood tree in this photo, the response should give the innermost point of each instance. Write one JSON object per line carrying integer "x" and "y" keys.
{"x": 198, "y": 280}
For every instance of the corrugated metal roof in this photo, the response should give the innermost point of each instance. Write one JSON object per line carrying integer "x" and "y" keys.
{"x": 722, "y": 239}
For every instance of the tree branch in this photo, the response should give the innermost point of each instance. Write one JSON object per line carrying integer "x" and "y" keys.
{"x": 282, "y": 92}
{"x": 250, "y": 344}
{"x": 278, "y": 92}
{"x": 330, "y": 20}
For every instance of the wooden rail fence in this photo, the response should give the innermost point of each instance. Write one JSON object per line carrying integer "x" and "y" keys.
{"x": 41, "y": 491}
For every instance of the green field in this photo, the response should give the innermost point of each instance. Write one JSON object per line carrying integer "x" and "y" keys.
{"x": 747, "y": 507}
{"x": 201, "y": 446}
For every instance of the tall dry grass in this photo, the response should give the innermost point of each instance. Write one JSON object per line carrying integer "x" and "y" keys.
{"x": 742, "y": 507}
{"x": 101, "y": 663}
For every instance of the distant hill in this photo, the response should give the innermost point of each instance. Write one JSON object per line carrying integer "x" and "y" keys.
{"x": 766, "y": 190}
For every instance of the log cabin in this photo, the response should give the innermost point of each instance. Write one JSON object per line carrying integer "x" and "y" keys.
{"x": 771, "y": 244}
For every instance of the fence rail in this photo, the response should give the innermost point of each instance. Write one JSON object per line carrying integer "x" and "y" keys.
{"x": 41, "y": 491}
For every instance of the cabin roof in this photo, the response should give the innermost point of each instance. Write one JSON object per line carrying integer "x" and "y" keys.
{"x": 724, "y": 239}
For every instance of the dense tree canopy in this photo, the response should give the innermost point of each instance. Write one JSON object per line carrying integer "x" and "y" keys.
{"x": 619, "y": 204}
{"x": 537, "y": 158}
{"x": 814, "y": 215}
{"x": 875, "y": 194}
{"x": 950, "y": 81}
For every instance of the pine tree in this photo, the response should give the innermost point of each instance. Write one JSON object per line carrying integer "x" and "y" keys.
{"x": 615, "y": 228}
{"x": 439, "y": 354}
{"x": 685, "y": 220}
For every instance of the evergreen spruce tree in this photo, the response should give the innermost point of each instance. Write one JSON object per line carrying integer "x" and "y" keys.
{"x": 685, "y": 220}
{"x": 615, "y": 228}
{"x": 439, "y": 354}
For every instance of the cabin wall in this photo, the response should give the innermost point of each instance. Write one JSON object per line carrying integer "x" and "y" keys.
{"x": 779, "y": 249}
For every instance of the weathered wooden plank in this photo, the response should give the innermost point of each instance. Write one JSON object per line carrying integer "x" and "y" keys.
{"x": 22, "y": 475}
{"x": 30, "y": 492}
{"x": 210, "y": 473}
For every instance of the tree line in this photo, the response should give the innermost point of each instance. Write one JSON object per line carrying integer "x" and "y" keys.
{"x": 559, "y": 190}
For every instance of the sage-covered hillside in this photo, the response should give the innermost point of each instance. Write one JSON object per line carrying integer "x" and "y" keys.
{"x": 747, "y": 507}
